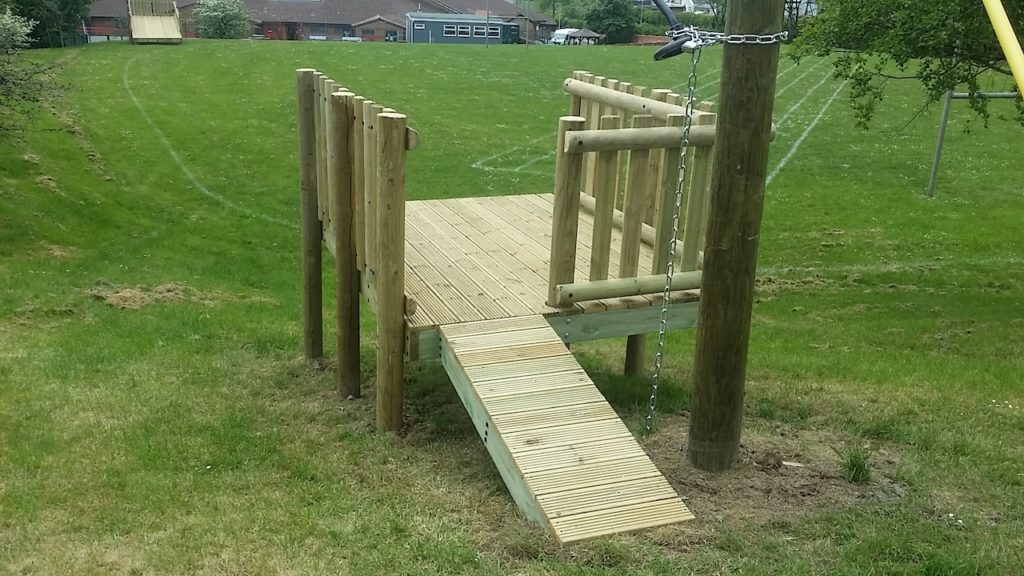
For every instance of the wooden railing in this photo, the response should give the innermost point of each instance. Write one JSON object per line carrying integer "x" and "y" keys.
{"x": 352, "y": 155}
{"x": 617, "y": 158}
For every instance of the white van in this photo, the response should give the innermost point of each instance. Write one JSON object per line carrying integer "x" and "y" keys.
{"x": 561, "y": 35}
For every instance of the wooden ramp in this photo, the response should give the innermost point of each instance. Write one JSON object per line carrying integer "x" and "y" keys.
{"x": 154, "y": 22}
{"x": 565, "y": 456}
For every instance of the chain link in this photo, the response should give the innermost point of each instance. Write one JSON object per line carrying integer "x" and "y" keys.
{"x": 691, "y": 90}
{"x": 703, "y": 39}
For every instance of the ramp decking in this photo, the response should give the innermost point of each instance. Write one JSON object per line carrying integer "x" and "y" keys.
{"x": 565, "y": 456}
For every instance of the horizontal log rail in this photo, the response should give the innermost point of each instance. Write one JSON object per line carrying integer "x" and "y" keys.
{"x": 582, "y": 141}
{"x": 621, "y": 100}
{"x": 566, "y": 294}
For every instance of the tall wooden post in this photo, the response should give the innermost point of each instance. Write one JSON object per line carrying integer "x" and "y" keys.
{"x": 730, "y": 256}
{"x": 340, "y": 138}
{"x": 312, "y": 275}
{"x": 390, "y": 144}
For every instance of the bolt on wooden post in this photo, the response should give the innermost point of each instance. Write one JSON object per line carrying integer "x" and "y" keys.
{"x": 730, "y": 256}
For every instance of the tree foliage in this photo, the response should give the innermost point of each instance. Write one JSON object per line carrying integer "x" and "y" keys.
{"x": 22, "y": 86}
{"x": 54, "y": 20}
{"x": 616, "y": 19}
{"x": 222, "y": 19}
{"x": 945, "y": 44}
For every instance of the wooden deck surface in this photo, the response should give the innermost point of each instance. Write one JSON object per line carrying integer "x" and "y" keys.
{"x": 566, "y": 457}
{"x": 472, "y": 259}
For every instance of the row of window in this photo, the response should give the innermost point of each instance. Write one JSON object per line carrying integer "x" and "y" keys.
{"x": 463, "y": 31}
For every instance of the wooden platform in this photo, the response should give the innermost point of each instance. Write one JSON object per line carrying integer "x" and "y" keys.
{"x": 471, "y": 259}
{"x": 567, "y": 459}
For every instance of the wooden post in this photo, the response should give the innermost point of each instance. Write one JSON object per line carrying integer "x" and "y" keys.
{"x": 604, "y": 205}
{"x": 633, "y": 221}
{"x": 654, "y": 162}
{"x": 668, "y": 184}
{"x": 340, "y": 138}
{"x": 744, "y": 131}
{"x": 321, "y": 164}
{"x": 358, "y": 187}
{"x": 390, "y": 142}
{"x": 370, "y": 190}
{"x": 698, "y": 168}
{"x": 312, "y": 233}
{"x": 565, "y": 217}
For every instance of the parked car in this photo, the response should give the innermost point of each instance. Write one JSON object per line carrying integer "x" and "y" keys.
{"x": 561, "y": 35}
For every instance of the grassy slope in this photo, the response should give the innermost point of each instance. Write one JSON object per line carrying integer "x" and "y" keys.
{"x": 188, "y": 437}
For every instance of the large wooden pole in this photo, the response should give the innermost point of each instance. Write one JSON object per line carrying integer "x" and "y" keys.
{"x": 730, "y": 256}
{"x": 312, "y": 279}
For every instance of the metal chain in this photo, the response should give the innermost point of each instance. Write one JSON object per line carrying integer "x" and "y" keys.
{"x": 691, "y": 90}
{"x": 702, "y": 38}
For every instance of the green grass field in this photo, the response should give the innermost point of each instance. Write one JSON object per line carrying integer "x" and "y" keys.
{"x": 156, "y": 416}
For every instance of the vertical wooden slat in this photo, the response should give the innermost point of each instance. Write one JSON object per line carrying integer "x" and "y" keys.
{"x": 340, "y": 131}
{"x": 358, "y": 183}
{"x": 312, "y": 279}
{"x": 390, "y": 209}
{"x": 632, "y": 225}
{"x": 565, "y": 214}
{"x": 327, "y": 87}
{"x": 370, "y": 185}
{"x": 595, "y": 111}
{"x": 654, "y": 163}
{"x": 604, "y": 197}
{"x": 668, "y": 184}
{"x": 575, "y": 102}
{"x": 625, "y": 119}
{"x": 321, "y": 164}
{"x": 698, "y": 199}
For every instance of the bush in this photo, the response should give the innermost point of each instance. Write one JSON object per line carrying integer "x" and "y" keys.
{"x": 222, "y": 19}
{"x": 21, "y": 87}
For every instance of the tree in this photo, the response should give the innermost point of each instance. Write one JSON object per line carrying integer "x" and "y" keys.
{"x": 223, "y": 19}
{"x": 54, "y": 20}
{"x": 615, "y": 19}
{"x": 21, "y": 86}
{"x": 942, "y": 43}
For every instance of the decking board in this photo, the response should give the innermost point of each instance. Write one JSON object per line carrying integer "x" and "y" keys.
{"x": 566, "y": 458}
{"x": 470, "y": 259}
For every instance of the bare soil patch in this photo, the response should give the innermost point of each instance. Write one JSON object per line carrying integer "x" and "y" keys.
{"x": 780, "y": 476}
{"x": 138, "y": 297}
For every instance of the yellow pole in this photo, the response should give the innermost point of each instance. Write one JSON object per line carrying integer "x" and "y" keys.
{"x": 1007, "y": 39}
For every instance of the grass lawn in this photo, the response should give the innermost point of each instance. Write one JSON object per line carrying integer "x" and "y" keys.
{"x": 156, "y": 416}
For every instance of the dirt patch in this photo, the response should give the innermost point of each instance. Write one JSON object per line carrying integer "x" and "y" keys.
{"x": 30, "y": 158}
{"x": 49, "y": 183}
{"x": 771, "y": 285}
{"x": 59, "y": 252}
{"x": 779, "y": 476}
{"x": 138, "y": 297}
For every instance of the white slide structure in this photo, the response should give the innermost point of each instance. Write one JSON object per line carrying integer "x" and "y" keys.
{"x": 154, "y": 22}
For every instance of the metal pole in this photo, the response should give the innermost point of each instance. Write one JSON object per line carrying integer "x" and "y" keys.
{"x": 938, "y": 143}
{"x": 487, "y": 26}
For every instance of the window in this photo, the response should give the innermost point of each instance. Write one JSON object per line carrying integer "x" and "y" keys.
{"x": 464, "y": 31}
{"x": 479, "y": 31}
{"x": 449, "y": 29}
{"x": 494, "y": 32}
{"x": 421, "y": 26}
